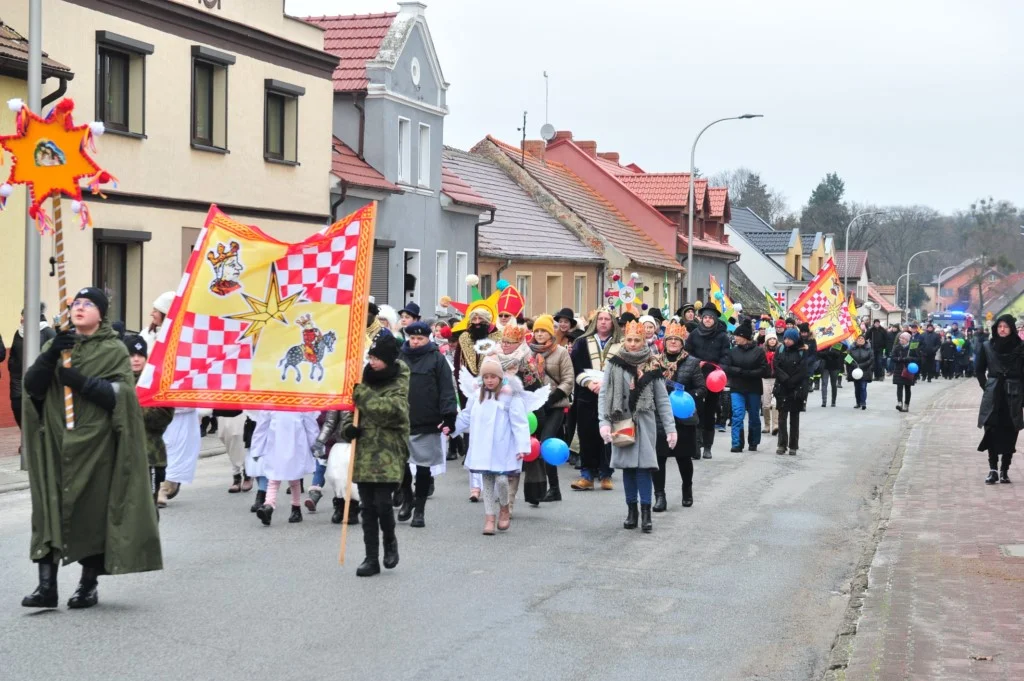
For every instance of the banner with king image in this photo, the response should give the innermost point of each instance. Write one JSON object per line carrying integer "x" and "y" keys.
{"x": 262, "y": 324}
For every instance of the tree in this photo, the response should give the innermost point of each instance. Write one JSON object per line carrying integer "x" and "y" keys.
{"x": 903, "y": 231}
{"x": 992, "y": 230}
{"x": 866, "y": 232}
{"x": 825, "y": 210}
{"x": 746, "y": 190}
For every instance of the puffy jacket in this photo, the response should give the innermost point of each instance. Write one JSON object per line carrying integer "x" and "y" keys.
{"x": 688, "y": 374}
{"x": 713, "y": 347}
{"x": 747, "y": 369}
{"x": 831, "y": 359}
{"x": 559, "y": 373}
{"x": 791, "y": 378}
{"x": 902, "y": 357}
{"x": 431, "y": 389}
{"x": 947, "y": 350}
{"x": 878, "y": 338}
{"x": 930, "y": 342}
{"x": 863, "y": 358}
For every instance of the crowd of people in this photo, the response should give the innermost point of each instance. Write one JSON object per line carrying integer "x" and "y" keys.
{"x": 626, "y": 393}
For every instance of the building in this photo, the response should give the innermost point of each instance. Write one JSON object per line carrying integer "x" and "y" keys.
{"x": 881, "y": 306}
{"x": 203, "y": 102}
{"x": 949, "y": 290}
{"x": 388, "y": 118}
{"x": 627, "y": 249}
{"x": 853, "y": 272}
{"x": 525, "y": 244}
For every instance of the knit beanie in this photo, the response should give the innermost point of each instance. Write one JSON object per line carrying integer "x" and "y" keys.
{"x": 545, "y": 322}
{"x": 804, "y": 327}
{"x": 384, "y": 347}
{"x": 791, "y": 334}
{"x": 745, "y": 330}
{"x": 136, "y": 345}
{"x": 491, "y": 366}
{"x": 163, "y": 302}
{"x": 97, "y": 297}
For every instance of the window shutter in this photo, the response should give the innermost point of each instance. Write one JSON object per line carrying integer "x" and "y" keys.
{"x": 379, "y": 276}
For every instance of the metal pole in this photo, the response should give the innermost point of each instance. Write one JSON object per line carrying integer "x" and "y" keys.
{"x": 30, "y": 340}
{"x": 908, "y": 277}
{"x": 690, "y": 206}
{"x": 898, "y": 280}
{"x": 846, "y": 252}
{"x": 938, "y": 286}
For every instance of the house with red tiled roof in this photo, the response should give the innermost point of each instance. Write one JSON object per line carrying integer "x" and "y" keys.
{"x": 597, "y": 221}
{"x": 887, "y": 310}
{"x": 389, "y": 111}
{"x": 853, "y": 272}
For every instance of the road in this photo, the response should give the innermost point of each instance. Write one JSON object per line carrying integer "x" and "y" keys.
{"x": 749, "y": 583}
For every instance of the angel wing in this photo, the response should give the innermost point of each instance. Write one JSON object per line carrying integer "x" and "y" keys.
{"x": 467, "y": 382}
{"x": 536, "y": 399}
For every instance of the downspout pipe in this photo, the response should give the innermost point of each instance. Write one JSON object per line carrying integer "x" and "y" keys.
{"x": 508, "y": 263}
{"x": 358, "y": 101}
{"x": 476, "y": 238}
{"x": 56, "y": 94}
{"x": 341, "y": 199}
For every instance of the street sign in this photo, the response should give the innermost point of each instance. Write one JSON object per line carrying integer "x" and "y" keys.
{"x": 989, "y": 315}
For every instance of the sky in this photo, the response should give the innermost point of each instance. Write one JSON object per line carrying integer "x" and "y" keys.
{"x": 911, "y": 102}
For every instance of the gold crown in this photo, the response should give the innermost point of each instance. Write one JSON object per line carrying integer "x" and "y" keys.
{"x": 223, "y": 254}
{"x": 513, "y": 333}
{"x": 633, "y": 329}
{"x": 674, "y": 330}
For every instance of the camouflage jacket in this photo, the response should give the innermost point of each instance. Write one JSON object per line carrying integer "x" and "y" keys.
{"x": 382, "y": 451}
{"x": 156, "y": 420}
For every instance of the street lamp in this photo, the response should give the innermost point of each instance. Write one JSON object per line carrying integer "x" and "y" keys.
{"x": 689, "y": 201}
{"x": 931, "y": 250}
{"x": 846, "y": 251}
{"x": 896, "y": 296}
{"x": 938, "y": 285}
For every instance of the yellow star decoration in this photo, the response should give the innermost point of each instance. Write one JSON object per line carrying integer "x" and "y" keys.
{"x": 49, "y": 158}
{"x": 264, "y": 311}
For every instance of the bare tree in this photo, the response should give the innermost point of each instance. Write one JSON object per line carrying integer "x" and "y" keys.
{"x": 904, "y": 230}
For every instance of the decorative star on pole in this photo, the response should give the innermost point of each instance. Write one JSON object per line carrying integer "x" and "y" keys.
{"x": 264, "y": 311}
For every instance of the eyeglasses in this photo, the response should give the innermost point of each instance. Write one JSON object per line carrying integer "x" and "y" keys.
{"x": 83, "y": 304}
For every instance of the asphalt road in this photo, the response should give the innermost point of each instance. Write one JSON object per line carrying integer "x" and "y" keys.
{"x": 749, "y": 583}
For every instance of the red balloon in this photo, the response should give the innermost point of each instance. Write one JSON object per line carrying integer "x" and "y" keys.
{"x": 534, "y": 450}
{"x": 716, "y": 381}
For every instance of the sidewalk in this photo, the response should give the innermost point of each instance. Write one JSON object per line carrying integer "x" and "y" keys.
{"x": 12, "y": 478}
{"x": 945, "y": 594}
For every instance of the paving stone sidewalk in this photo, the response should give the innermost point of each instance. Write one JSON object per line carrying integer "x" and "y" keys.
{"x": 945, "y": 596}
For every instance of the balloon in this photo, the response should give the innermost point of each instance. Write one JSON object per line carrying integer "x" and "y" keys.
{"x": 857, "y": 374}
{"x": 682, "y": 403}
{"x": 534, "y": 450}
{"x": 716, "y": 381}
{"x": 913, "y": 368}
{"x": 531, "y": 418}
{"x": 554, "y": 451}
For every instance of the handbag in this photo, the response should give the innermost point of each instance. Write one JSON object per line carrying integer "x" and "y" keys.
{"x": 337, "y": 468}
{"x": 908, "y": 377}
{"x": 624, "y": 433}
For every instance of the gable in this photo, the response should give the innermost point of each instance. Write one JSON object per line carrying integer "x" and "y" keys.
{"x": 415, "y": 61}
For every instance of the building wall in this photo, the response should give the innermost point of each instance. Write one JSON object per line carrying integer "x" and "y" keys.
{"x": 538, "y": 301}
{"x": 265, "y": 14}
{"x": 12, "y": 224}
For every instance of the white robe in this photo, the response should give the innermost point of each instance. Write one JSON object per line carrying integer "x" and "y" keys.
{"x": 282, "y": 444}
{"x": 183, "y": 444}
{"x": 498, "y": 431}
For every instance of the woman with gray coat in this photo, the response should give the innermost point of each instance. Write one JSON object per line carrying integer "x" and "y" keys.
{"x": 631, "y": 402}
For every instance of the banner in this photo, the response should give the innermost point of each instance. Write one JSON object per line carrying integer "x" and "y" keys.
{"x": 725, "y": 306}
{"x": 823, "y": 306}
{"x": 775, "y": 304}
{"x": 258, "y": 323}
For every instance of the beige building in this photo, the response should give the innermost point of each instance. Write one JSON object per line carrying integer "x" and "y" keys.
{"x": 204, "y": 101}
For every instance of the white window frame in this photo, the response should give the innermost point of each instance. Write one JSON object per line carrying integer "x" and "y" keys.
{"x": 404, "y": 150}
{"x": 524, "y": 285}
{"x": 418, "y": 273}
{"x": 461, "y": 272}
{"x": 423, "y": 174}
{"x": 579, "y": 296}
{"x": 440, "y": 277}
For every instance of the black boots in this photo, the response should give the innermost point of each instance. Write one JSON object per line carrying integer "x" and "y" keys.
{"x": 261, "y": 496}
{"x": 296, "y": 516}
{"x": 993, "y": 478}
{"x": 645, "y": 518}
{"x": 86, "y": 594}
{"x": 1004, "y": 478}
{"x": 45, "y": 595}
{"x": 391, "y": 553}
{"x": 405, "y": 512}
{"x": 660, "y": 503}
{"x": 368, "y": 568}
{"x": 265, "y": 513}
{"x": 417, "y": 515}
{"x": 687, "y": 495}
{"x": 553, "y": 494}
{"x": 631, "y": 517}
{"x": 339, "y": 512}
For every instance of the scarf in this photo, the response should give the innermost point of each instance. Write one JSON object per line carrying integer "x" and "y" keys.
{"x": 409, "y": 351}
{"x": 21, "y": 328}
{"x": 630, "y": 390}
{"x": 540, "y": 355}
{"x": 1004, "y": 345}
{"x": 670, "y": 363}
{"x": 371, "y": 377}
{"x": 705, "y": 331}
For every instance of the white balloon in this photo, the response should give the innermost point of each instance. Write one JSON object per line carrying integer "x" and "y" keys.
{"x": 857, "y": 374}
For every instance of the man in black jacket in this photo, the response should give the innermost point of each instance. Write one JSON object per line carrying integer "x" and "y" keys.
{"x": 709, "y": 342}
{"x": 14, "y": 365}
{"x": 747, "y": 370}
{"x": 930, "y": 343}
{"x": 879, "y": 341}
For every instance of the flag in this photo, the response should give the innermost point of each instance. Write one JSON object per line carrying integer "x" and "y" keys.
{"x": 823, "y": 306}
{"x": 725, "y": 306}
{"x": 258, "y": 323}
{"x": 775, "y": 308}
{"x": 852, "y": 310}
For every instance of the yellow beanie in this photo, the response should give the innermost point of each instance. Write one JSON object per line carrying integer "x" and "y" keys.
{"x": 545, "y": 322}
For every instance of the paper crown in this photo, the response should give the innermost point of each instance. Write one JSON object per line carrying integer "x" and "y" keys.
{"x": 223, "y": 254}
{"x": 513, "y": 333}
{"x": 633, "y": 329}
{"x": 674, "y": 330}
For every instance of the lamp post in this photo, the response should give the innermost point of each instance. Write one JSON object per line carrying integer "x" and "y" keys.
{"x": 931, "y": 250}
{"x": 938, "y": 285}
{"x": 846, "y": 250}
{"x": 689, "y": 200}
{"x": 898, "y": 279}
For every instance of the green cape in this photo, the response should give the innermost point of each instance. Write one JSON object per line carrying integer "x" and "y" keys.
{"x": 91, "y": 486}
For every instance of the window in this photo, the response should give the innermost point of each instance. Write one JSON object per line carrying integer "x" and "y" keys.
{"x": 412, "y": 276}
{"x": 486, "y": 287}
{"x": 440, "y": 276}
{"x": 579, "y": 294}
{"x": 657, "y": 301}
{"x": 210, "y": 98}
{"x": 461, "y": 272}
{"x": 121, "y": 83}
{"x": 379, "y": 275}
{"x": 404, "y": 151}
{"x": 523, "y": 285}
{"x": 554, "y": 292}
{"x": 281, "y": 121}
{"x": 423, "y": 178}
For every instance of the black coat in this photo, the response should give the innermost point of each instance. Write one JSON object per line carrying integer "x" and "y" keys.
{"x": 891, "y": 338}
{"x": 878, "y": 338}
{"x": 791, "y": 378}
{"x": 902, "y": 357}
{"x": 747, "y": 369}
{"x": 930, "y": 342}
{"x": 863, "y": 358}
{"x": 947, "y": 351}
{"x": 831, "y": 359}
{"x": 1001, "y": 375}
{"x": 689, "y": 375}
{"x": 711, "y": 348}
{"x": 811, "y": 356}
{"x": 431, "y": 390}
{"x": 14, "y": 365}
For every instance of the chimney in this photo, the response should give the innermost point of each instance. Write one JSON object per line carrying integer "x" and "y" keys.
{"x": 563, "y": 135}
{"x": 535, "y": 148}
{"x": 612, "y": 156}
{"x": 589, "y": 148}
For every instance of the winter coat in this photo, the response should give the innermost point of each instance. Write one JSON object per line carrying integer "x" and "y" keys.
{"x": 498, "y": 431}
{"x": 830, "y": 359}
{"x": 382, "y": 449}
{"x": 156, "y": 420}
{"x": 811, "y": 355}
{"x": 431, "y": 389}
{"x": 560, "y": 376}
{"x": 902, "y": 357}
{"x": 947, "y": 351}
{"x": 791, "y": 376}
{"x": 1001, "y": 371}
{"x": 14, "y": 365}
{"x": 864, "y": 359}
{"x": 643, "y": 453}
{"x": 711, "y": 348}
{"x": 687, "y": 373}
{"x": 91, "y": 490}
{"x": 930, "y": 342}
{"x": 747, "y": 369}
{"x": 584, "y": 353}
{"x": 878, "y": 338}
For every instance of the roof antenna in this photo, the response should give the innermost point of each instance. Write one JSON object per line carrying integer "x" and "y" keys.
{"x": 547, "y": 120}
{"x": 522, "y": 145}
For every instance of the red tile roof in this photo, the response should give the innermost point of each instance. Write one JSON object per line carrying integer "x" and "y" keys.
{"x": 600, "y": 215}
{"x": 349, "y": 168}
{"x": 881, "y": 300}
{"x": 886, "y": 289}
{"x": 356, "y": 39}
{"x": 661, "y": 190}
{"x": 459, "y": 191}
{"x": 718, "y": 196}
{"x": 613, "y": 167}
{"x": 708, "y": 245}
{"x": 858, "y": 261}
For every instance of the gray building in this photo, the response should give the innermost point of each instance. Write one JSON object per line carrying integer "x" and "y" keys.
{"x": 389, "y": 111}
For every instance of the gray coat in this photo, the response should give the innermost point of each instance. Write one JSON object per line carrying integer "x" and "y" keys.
{"x": 643, "y": 452}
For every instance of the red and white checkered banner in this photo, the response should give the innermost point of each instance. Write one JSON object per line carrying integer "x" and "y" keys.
{"x": 823, "y": 306}
{"x": 258, "y": 323}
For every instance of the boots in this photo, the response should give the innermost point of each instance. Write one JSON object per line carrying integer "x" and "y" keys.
{"x": 313, "y": 498}
{"x": 236, "y": 484}
{"x": 391, "y": 553}
{"x": 161, "y": 496}
{"x": 246, "y": 483}
{"x": 504, "y": 518}
{"x": 265, "y": 513}
{"x": 353, "y": 511}
{"x": 899, "y": 406}
{"x": 993, "y": 478}
{"x": 172, "y": 489}
{"x": 553, "y": 494}
{"x": 660, "y": 502}
{"x": 296, "y": 516}
{"x": 368, "y": 568}
{"x": 45, "y": 595}
{"x": 687, "y": 495}
{"x": 488, "y": 524}
{"x": 339, "y": 510}
{"x": 645, "y": 518}
{"x": 86, "y": 595}
{"x": 405, "y": 512}
{"x": 261, "y": 496}
{"x": 1004, "y": 477}
{"x": 631, "y": 517}
{"x": 417, "y": 515}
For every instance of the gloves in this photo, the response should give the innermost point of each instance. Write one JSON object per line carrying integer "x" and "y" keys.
{"x": 448, "y": 422}
{"x": 319, "y": 450}
{"x": 72, "y": 378}
{"x": 63, "y": 341}
{"x": 352, "y": 432}
{"x": 556, "y": 396}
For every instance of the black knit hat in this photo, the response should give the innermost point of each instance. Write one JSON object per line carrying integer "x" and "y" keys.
{"x": 804, "y": 327}
{"x": 656, "y": 313}
{"x": 745, "y": 330}
{"x": 626, "y": 318}
{"x": 97, "y": 297}
{"x": 136, "y": 345}
{"x": 384, "y": 347}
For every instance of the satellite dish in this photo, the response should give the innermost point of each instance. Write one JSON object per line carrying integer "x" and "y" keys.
{"x": 547, "y": 132}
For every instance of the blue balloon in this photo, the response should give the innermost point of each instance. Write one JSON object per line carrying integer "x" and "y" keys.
{"x": 682, "y": 403}
{"x": 554, "y": 451}
{"x": 913, "y": 368}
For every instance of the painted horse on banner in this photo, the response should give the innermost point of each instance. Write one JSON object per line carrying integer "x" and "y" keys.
{"x": 296, "y": 355}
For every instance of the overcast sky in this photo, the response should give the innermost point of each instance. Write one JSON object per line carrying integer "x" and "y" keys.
{"x": 909, "y": 101}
